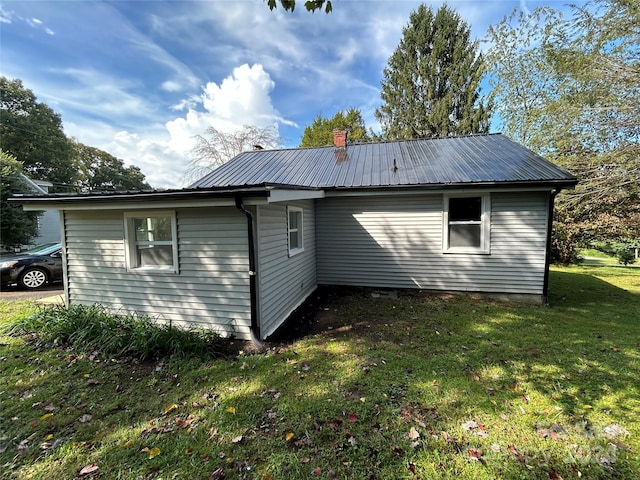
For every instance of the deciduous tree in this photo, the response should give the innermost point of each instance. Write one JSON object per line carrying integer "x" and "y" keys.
{"x": 215, "y": 148}
{"x": 32, "y": 132}
{"x": 101, "y": 171}
{"x": 570, "y": 90}
{"x": 320, "y": 132}
{"x": 431, "y": 84}
{"x": 17, "y": 227}
{"x": 310, "y": 5}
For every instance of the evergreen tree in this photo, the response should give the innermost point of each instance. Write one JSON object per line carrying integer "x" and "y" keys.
{"x": 431, "y": 84}
{"x": 320, "y": 132}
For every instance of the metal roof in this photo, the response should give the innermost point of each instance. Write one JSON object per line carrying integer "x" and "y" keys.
{"x": 476, "y": 159}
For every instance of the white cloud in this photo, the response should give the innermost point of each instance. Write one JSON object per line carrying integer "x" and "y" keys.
{"x": 171, "y": 86}
{"x": 243, "y": 98}
{"x": 5, "y": 17}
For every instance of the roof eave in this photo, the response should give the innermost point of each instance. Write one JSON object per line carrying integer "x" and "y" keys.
{"x": 553, "y": 184}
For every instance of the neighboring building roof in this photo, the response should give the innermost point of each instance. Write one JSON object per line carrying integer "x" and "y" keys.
{"x": 448, "y": 161}
{"x": 37, "y": 186}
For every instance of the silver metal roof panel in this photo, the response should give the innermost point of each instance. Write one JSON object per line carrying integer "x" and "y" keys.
{"x": 472, "y": 159}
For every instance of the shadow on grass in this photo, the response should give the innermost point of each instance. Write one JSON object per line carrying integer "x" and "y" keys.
{"x": 350, "y": 390}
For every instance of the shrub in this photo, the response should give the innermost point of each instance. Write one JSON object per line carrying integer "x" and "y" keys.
{"x": 94, "y": 328}
{"x": 564, "y": 244}
{"x": 625, "y": 256}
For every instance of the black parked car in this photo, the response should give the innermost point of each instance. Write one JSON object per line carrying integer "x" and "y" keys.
{"x": 33, "y": 268}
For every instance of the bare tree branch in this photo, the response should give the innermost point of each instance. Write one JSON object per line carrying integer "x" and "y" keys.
{"x": 215, "y": 148}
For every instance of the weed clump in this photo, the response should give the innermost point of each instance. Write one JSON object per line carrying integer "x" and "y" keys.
{"x": 94, "y": 328}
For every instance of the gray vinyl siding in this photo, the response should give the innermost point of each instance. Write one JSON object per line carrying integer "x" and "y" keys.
{"x": 211, "y": 289}
{"x": 284, "y": 282}
{"x": 396, "y": 242}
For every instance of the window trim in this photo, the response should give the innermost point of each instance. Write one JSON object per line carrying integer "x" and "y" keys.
{"x": 300, "y": 230}
{"x": 485, "y": 224}
{"x": 130, "y": 242}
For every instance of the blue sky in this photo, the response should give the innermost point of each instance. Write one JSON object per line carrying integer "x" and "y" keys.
{"x": 140, "y": 78}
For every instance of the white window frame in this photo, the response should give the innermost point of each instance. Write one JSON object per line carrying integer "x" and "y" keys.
{"x": 484, "y": 222}
{"x": 299, "y": 231}
{"x": 131, "y": 243}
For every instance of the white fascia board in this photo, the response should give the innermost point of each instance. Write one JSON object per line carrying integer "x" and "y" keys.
{"x": 288, "y": 195}
{"x": 88, "y": 205}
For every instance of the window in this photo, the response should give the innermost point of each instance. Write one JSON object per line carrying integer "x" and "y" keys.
{"x": 295, "y": 229}
{"x": 466, "y": 224}
{"x": 151, "y": 241}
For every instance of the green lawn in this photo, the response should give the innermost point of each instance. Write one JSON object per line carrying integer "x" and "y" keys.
{"x": 419, "y": 387}
{"x": 594, "y": 257}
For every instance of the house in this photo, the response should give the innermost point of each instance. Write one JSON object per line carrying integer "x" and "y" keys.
{"x": 48, "y": 220}
{"x": 242, "y": 248}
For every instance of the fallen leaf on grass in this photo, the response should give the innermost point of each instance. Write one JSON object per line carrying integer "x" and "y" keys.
{"x": 470, "y": 425}
{"x": 85, "y": 418}
{"x": 517, "y": 454}
{"x": 217, "y": 474}
{"x": 548, "y": 433}
{"x": 231, "y": 410}
{"x": 289, "y": 436}
{"x": 154, "y": 452}
{"x": 412, "y": 434}
{"x": 170, "y": 408}
{"x": 91, "y": 468}
{"x": 46, "y": 415}
{"x": 317, "y": 471}
{"x": 49, "y": 408}
{"x": 237, "y": 439}
{"x": 476, "y": 454}
{"x": 92, "y": 381}
{"x": 554, "y": 476}
{"x": 352, "y": 417}
{"x": 614, "y": 431}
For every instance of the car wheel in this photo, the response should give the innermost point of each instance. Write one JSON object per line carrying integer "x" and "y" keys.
{"x": 34, "y": 278}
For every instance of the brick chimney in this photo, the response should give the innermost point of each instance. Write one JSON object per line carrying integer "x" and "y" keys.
{"x": 340, "y": 138}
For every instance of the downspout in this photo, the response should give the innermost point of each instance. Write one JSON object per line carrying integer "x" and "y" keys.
{"x": 547, "y": 261}
{"x": 253, "y": 291}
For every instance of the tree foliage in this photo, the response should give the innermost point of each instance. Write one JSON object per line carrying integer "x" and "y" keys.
{"x": 215, "y": 148}
{"x": 310, "y": 5}
{"x": 320, "y": 132}
{"x": 522, "y": 80}
{"x": 570, "y": 90}
{"x": 32, "y": 133}
{"x": 431, "y": 84}
{"x": 101, "y": 171}
{"x": 17, "y": 227}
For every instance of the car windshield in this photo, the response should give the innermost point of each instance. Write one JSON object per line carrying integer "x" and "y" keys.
{"x": 46, "y": 249}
